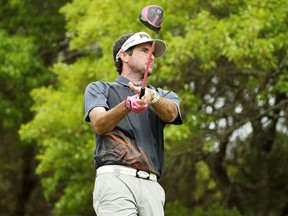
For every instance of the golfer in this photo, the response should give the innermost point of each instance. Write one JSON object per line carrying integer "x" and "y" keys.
{"x": 129, "y": 152}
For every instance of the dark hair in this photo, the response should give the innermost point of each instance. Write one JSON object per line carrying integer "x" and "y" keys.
{"x": 116, "y": 47}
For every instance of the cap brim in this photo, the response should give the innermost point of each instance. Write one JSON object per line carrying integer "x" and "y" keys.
{"x": 160, "y": 48}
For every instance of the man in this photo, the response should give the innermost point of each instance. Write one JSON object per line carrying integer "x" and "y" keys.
{"x": 129, "y": 150}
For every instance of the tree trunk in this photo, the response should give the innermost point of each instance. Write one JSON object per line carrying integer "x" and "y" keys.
{"x": 29, "y": 180}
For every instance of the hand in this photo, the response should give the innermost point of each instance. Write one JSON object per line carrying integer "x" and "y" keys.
{"x": 150, "y": 96}
{"x": 134, "y": 104}
{"x": 134, "y": 88}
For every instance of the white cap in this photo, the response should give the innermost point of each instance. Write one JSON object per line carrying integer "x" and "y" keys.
{"x": 143, "y": 37}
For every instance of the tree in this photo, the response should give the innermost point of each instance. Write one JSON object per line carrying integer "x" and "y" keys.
{"x": 227, "y": 61}
{"x": 235, "y": 61}
{"x": 28, "y": 48}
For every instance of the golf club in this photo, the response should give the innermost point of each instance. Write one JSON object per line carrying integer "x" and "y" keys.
{"x": 151, "y": 16}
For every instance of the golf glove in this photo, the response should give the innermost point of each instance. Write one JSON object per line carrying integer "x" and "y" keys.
{"x": 132, "y": 105}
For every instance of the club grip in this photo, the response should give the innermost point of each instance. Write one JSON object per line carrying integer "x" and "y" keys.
{"x": 142, "y": 92}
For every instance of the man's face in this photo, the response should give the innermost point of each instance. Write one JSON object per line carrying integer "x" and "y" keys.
{"x": 139, "y": 59}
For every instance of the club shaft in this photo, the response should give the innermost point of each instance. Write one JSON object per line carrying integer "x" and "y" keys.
{"x": 142, "y": 92}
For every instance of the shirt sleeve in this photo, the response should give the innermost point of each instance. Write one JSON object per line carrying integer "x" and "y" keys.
{"x": 95, "y": 95}
{"x": 172, "y": 96}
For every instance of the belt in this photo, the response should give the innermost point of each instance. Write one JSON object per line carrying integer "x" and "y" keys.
{"x": 126, "y": 171}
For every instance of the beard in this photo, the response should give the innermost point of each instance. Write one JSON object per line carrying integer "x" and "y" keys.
{"x": 141, "y": 71}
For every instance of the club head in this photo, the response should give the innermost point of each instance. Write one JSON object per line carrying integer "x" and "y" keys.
{"x": 152, "y": 17}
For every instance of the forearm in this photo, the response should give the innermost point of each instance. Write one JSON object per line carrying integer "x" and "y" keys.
{"x": 103, "y": 122}
{"x": 165, "y": 109}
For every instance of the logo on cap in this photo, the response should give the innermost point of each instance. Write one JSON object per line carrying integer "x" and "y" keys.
{"x": 144, "y": 35}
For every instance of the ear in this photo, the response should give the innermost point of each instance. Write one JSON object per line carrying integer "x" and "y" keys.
{"x": 124, "y": 56}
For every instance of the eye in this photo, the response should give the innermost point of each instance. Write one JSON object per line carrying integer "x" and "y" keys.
{"x": 145, "y": 50}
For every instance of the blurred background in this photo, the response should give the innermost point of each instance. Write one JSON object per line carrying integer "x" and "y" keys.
{"x": 228, "y": 62}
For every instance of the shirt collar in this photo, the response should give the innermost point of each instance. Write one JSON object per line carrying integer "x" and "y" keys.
{"x": 124, "y": 81}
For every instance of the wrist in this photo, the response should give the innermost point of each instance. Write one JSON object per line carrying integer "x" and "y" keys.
{"x": 156, "y": 97}
{"x": 127, "y": 104}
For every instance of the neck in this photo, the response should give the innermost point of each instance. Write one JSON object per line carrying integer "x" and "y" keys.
{"x": 132, "y": 76}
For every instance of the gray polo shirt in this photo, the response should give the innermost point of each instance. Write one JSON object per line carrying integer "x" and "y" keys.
{"x": 137, "y": 141}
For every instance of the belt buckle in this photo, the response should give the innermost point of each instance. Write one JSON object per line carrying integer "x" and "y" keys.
{"x": 142, "y": 174}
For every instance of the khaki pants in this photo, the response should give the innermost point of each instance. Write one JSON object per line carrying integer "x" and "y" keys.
{"x": 124, "y": 195}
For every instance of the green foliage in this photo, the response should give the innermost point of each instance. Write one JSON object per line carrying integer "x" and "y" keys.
{"x": 282, "y": 83}
{"x": 65, "y": 139}
{"x": 216, "y": 210}
{"x": 65, "y": 124}
{"x": 16, "y": 69}
{"x": 176, "y": 209}
{"x": 29, "y": 34}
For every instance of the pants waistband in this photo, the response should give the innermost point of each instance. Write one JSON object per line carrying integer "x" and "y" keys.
{"x": 118, "y": 169}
